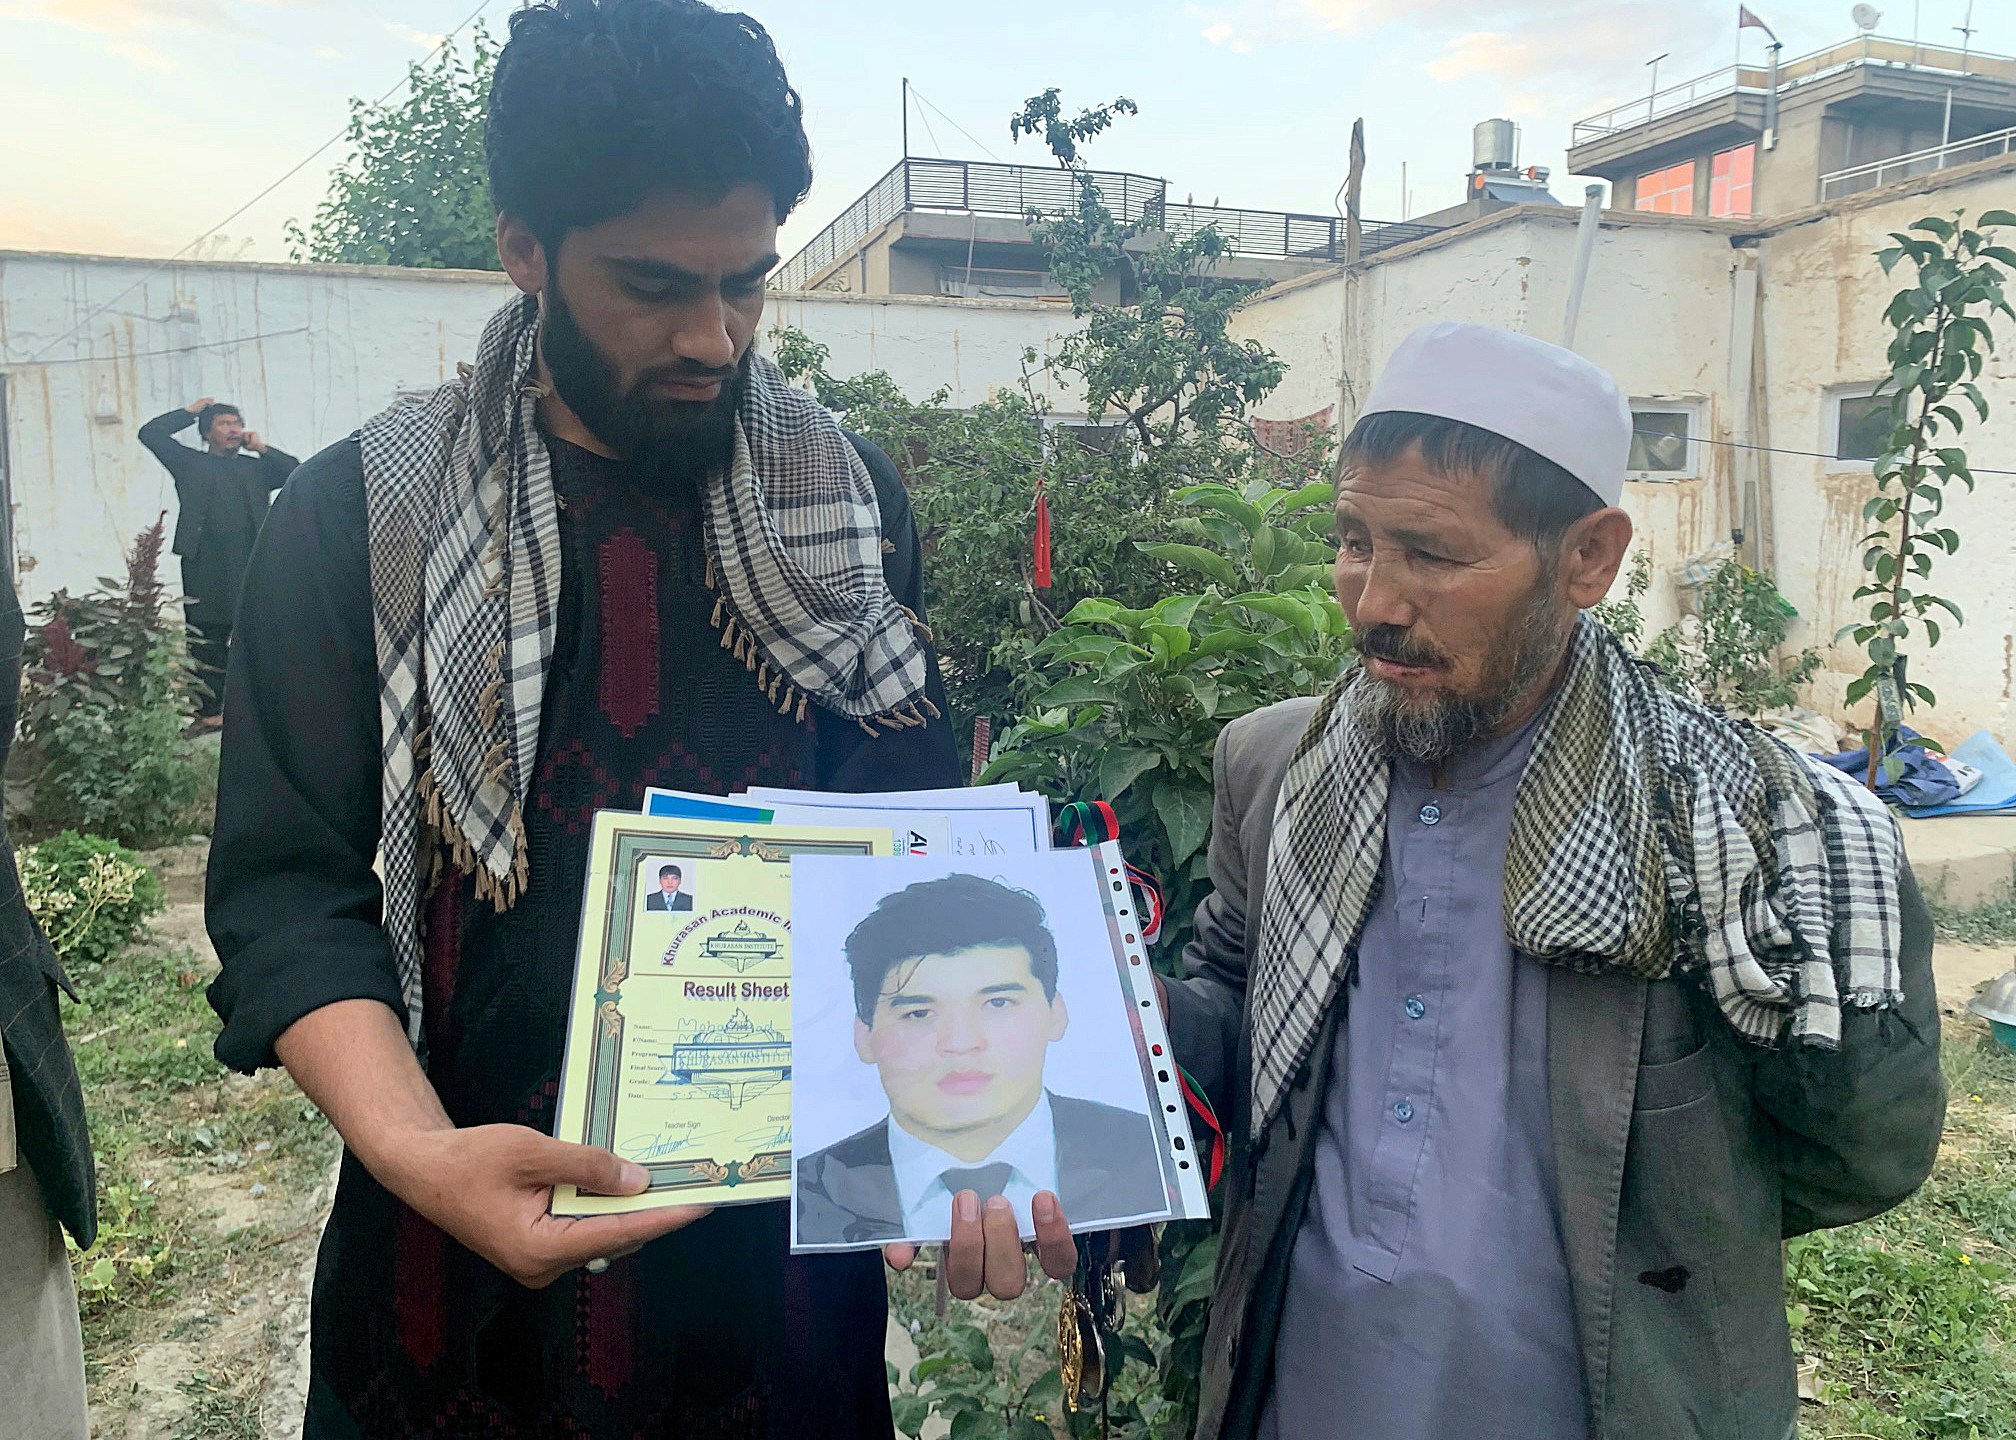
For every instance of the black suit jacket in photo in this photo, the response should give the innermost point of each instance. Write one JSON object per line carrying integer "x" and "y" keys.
{"x": 656, "y": 901}
{"x": 1107, "y": 1168}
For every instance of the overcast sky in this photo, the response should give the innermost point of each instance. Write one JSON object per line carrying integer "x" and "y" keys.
{"x": 132, "y": 126}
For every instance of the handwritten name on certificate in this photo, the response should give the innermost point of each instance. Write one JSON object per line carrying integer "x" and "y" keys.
{"x": 679, "y": 1039}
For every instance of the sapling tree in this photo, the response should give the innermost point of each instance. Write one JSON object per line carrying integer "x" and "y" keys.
{"x": 1942, "y": 334}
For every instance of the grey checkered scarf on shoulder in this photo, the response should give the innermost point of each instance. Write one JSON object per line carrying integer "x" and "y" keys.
{"x": 1649, "y": 836}
{"x": 465, "y": 577}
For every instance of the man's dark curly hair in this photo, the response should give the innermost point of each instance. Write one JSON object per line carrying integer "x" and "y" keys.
{"x": 598, "y": 103}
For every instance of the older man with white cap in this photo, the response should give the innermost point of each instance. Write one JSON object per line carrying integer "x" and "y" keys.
{"x": 1540, "y": 1004}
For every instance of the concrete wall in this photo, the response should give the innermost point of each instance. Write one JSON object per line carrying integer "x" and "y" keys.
{"x": 970, "y": 347}
{"x": 311, "y": 351}
{"x": 1662, "y": 313}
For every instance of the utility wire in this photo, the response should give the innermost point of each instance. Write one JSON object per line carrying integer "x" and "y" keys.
{"x": 955, "y": 125}
{"x": 936, "y": 144}
{"x": 1780, "y": 450}
{"x": 296, "y": 169}
{"x": 171, "y": 350}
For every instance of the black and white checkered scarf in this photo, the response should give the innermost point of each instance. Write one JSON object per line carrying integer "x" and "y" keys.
{"x": 1649, "y": 835}
{"x": 465, "y": 578}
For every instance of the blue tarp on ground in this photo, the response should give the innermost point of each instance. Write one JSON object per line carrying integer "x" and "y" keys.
{"x": 1918, "y": 779}
{"x": 1996, "y": 792}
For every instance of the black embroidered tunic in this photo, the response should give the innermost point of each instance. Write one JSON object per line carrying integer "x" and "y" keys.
{"x": 712, "y": 1331}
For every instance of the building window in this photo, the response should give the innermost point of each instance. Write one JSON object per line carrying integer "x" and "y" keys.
{"x": 1663, "y": 441}
{"x": 1092, "y": 437}
{"x": 1729, "y": 176}
{"x": 1669, "y": 191}
{"x": 1858, "y": 422}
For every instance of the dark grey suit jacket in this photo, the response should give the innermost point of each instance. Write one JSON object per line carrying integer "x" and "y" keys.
{"x": 1683, "y": 1155}
{"x": 1107, "y": 1168}
{"x": 656, "y": 901}
{"x": 48, "y": 1106}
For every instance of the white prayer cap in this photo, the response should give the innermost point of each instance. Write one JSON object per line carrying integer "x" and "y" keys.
{"x": 1548, "y": 399}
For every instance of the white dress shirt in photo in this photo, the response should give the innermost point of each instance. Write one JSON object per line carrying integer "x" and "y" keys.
{"x": 1030, "y": 1151}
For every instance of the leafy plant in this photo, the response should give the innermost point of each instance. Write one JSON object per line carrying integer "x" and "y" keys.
{"x": 984, "y": 1387}
{"x": 89, "y": 894}
{"x": 126, "y": 773}
{"x": 120, "y": 645}
{"x": 1726, "y": 653}
{"x": 129, "y": 1255}
{"x": 108, "y": 689}
{"x": 413, "y": 190}
{"x": 1941, "y": 338}
{"x": 973, "y": 477}
{"x": 1160, "y": 373}
{"x": 1136, "y": 696}
{"x": 977, "y": 1393}
{"x": 1164, "y": 361}
{"x": 1623, "y": 618}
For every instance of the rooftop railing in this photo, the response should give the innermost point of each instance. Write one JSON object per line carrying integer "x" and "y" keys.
{"x": 1756, "y": 79}
{"x": 1919, "y": 162}
{"x": 1271, "y": 233}
{"x": 968, "y": 187}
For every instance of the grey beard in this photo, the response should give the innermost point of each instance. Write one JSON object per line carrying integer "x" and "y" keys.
{"x": 1433, "y": 727}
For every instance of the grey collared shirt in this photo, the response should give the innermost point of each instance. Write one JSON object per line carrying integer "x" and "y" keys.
{"x": 1428, "y": 1292}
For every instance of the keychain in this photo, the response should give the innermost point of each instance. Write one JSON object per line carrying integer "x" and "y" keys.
{"x": 1088, "y": 1324}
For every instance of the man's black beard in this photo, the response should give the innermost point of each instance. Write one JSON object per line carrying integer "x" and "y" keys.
{"x": 677, "y": 435}
{"x": 1433, "y": 726}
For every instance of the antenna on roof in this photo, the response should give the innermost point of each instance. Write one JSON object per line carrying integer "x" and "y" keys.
{"x": 1866, "y": 18}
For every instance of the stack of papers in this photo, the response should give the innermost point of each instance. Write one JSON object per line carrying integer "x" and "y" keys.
{"x": 976, "y": 823}
{"x": 865, "y": 1005}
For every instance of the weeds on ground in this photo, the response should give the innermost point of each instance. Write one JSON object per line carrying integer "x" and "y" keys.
{"x": 172, "y": 1131}
{"x": 216, "y": 1409}
{"x": 1991, "y": 922}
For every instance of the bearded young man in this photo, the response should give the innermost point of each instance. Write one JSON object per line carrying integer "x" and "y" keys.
{"x": 618, "y": 552}
{"x": 1544, "y": 1003}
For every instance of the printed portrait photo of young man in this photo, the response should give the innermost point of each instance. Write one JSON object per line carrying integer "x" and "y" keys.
{"x": 956, "y": 1005}
{"x": 670, "y": 892}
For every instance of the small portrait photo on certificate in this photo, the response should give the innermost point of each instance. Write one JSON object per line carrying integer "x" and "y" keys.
{"x": 666, "y": 885}
{"x": 961, "y": 1029}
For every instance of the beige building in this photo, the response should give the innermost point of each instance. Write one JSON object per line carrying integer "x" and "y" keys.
{"x": 1763, "y": 141}
{"x": 960, "y": 228}
{"x": 1749, "y": 349}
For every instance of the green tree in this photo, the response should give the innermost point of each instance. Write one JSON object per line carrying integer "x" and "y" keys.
{"x": 1941, "y": 338}
{"x": 413, "y": 190}
{"x": 1167, "y": 385}
{"x": 973, "y": 477}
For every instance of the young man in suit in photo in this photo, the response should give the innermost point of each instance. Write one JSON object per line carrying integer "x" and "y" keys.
{"x": 668, "y": 895}
{"x": 956, "y": 1006}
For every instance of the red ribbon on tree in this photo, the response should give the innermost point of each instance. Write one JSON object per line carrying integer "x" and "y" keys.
{"x": 1042, "y": 537}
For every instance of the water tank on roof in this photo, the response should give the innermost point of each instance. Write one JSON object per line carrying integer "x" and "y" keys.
{"x": 1495, "y": 145}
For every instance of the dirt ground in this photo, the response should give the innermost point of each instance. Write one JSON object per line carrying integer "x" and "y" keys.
{"x": 219, "y": 1348}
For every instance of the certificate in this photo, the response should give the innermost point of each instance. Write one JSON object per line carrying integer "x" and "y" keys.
{"x": 679, "y": 1035}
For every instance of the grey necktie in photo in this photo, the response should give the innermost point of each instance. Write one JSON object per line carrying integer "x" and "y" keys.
{"x": 986, "y": 1181}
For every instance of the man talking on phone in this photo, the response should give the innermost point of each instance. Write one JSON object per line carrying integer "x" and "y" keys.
{"x": 223, "y": 491}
